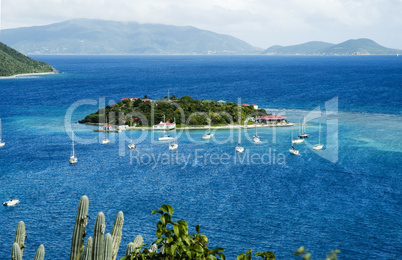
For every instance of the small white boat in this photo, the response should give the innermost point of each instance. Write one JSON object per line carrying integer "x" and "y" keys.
{"x": 131, "y": 145}
{"x": 294, "y": 151}
{"x": 1, "y": 143}
{"x": 303, "y": 133}
{"x": 73, "y": 159}
{"x": 208, "y": 135}
{"x": 318, "y": 146}
{"x": 297, "y": 141}
{"x": 256, "y": 138}
{"x": 11, "y": 202}
{"x": 165, "y": 136}
{"x": 174, "y": 145}
{"x": 239, "y": 148}
{"x": 105, "y": 141}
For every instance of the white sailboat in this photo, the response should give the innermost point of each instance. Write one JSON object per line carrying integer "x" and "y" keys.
{"x": 318, "y": 146}
{"x": 174, "y": 145}
{"x": 131, "y": 145}
{"x": 239, "y": 148}
{"x": 296, "y": 141}
{"x": 105, "y": 140}
{"x": 293, "y": 150}
{"x": 165, "y": 136}
{"x": 303, "y": 133}
{"x": 2, "y": 143}
{"x": 208, "y": 134}
{"x": 256, "y": 138}
{"x": 73, "y": 158}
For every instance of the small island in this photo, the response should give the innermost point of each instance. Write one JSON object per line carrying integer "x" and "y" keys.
{"x": 14, "y": 63}
{"x": 184, "y": 112}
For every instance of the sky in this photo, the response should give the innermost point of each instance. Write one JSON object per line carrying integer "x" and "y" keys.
{"x": 262, "y": 23}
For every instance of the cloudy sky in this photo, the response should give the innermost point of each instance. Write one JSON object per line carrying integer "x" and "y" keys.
{"x": 262, "y": 23}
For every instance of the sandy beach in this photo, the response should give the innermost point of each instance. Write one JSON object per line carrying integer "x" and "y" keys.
{"x": 27, "y": 74}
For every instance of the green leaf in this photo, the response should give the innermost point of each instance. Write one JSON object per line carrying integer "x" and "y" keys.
{"x": 170, "y": 209}
{"x": 222, "y": 256}
{"x": 156, "y": 211}
{"x": 198, "y": 249}
{"x": 159, "y": 240}
{"x": 164, "y": 208}
{"x": 169, "y": 240}
{"x": 176, "y": 230}
{"x": 197, "y": 228}
{"x": 163, "y": 220}
{"x": 173, "y": 247}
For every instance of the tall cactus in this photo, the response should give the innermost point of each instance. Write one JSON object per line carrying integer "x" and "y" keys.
{"x": 138, "y": 242}
{"x": 20, "y": 236}
{"x": 40, "y": 253}
{"x": 88, "y": 250}
{"x": 16, "y": 253}
{"x": 108, "y": 247}
{"x": 117, "y": 234}
{"x": 99, "y": 240}
{"x": 78, "y": 240}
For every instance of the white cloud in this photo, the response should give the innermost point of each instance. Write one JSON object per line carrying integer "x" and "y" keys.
{"x": 260, "y": 22}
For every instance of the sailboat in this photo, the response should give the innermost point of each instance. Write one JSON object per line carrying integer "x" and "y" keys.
{"x": 1, "y": 143}
{"x": 256, "y": 138}
{"x": 239, "y": 148}
{"x": 293, "y": 150}
{"x": 131, "y": 145}
{"x": 73, "y": 158}
{"x": 318, "y": 146}
{"x": 165, "y": 136}
{"x": 303, "y": 133}
{"x": 174, "y": 145}
{"x": 105, "y": 140}
{"x": 208, "y": 134}
{"x": 296, "y": 141}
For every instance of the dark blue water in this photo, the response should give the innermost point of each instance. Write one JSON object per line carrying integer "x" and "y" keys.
{"x": 275, "y": 201}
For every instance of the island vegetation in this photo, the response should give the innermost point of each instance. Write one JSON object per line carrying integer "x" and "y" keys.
{"x": 185, "y": 111}
{"x": 13, "y": 63}
{"x": 174, "y": 241}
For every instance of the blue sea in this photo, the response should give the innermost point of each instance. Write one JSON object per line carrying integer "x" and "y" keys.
{"x": 346, "y": 196}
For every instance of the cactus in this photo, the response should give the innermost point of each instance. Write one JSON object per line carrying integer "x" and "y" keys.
{"x": 40, "y": 253}
{"x": 99, "y": 240}
{"x": 20, "y": 236}
{"x": 88, "y": 250}
{"x": 138, "y": 243}
{"x": 117, "y": 234}
{"x": 153, "y": 248}
{"x": 16, "y": 253}
{"x": 130, "y": 248}
{"x": 107, "y": 255}
{"x": 77, "y": 243}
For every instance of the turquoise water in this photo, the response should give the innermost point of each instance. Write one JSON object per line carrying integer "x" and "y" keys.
{"x": 350, "y": 201}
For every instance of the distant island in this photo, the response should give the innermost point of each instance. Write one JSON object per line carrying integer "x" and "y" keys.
{"x": 138, "y": 111}
{"x": 14, "y": 63}
{"x": 100, "y": 37}
{"x": 350, "y": 47}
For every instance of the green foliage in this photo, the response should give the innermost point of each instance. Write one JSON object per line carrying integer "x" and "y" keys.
{"x": 268, "y": 255}
{"x": 13, "y": 62}
{"x": 303, "y": 252}
{"x": 185, "y": 110}
{"x": 174, "y": 241}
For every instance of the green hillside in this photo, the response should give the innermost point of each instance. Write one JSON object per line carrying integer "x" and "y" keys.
{"x": 13, "y": 62}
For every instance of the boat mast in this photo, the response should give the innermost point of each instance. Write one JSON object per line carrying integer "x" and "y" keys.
{"x": 73, "y": 144}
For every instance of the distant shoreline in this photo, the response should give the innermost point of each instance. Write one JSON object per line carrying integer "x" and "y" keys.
{"x": 27, "y": 74}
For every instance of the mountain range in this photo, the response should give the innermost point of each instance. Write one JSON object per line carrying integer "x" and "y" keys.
{"x": 88, "y": 36}
{"x": 97, "y": 37}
